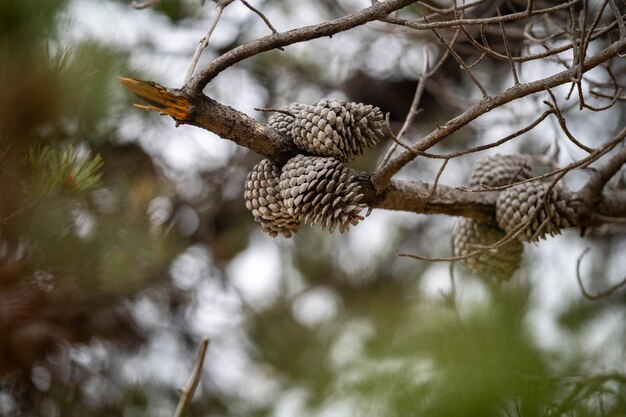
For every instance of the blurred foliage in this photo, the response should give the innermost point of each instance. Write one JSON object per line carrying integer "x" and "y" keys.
{"x": 92, "y": 234}
{"x": 73, "y": 244}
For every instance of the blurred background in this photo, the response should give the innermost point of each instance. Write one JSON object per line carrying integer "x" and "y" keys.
{"x": 124, "y": 240}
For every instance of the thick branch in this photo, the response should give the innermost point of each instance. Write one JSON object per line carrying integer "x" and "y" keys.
{"x": 376, "y": 11}
{"x": 413, "y": 196}
{"x": 592, "y": 191}
{"x": 418, "y": 197}
{"x": 215, "y": 117}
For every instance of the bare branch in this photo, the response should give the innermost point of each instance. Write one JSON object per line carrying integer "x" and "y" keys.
{"x": 507, "y": 48}
{"x": 461, "y": 63}
{"x": 376, "y": 11}
{"x": 600, "y": 295}
{"x": 186, "y": 392}
{"x": 413, "y": 110}
{"x": 619, "y": 18}
{"x": 563, "y": 123}
{"x": 481, "y": 21}
{"x": 592, "y": 191}
{"x": 411, "y": 196}
{"x": 204, "y": 42}
{"x": 383, "y": 176}
{"x": 439, "y": 173}
{"x": 262, "y": 16}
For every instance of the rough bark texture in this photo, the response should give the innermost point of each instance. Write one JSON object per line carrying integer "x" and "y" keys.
{"x": 414, "y": 196}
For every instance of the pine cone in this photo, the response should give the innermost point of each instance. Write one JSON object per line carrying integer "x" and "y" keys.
{"x": 283, "y": 122}
{"x": 321, "y": 190}
{"x": 263, "y": 199}
{"x": 515, "y": 205}
{"x": 500, "y": 263}
{"x": 337, "y": 129}
{"x": 498, "y": 170}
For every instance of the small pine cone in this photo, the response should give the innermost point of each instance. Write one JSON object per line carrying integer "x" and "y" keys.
{"x": 338, "y": 129}
{"x": 515, "y": 205}
{"x": 497, "y": 170}
{"x": 283, "y": 122}
{"x": 263, "y": 199}
{"x": 499, "y": 263}
{"x": 321, "y": 190}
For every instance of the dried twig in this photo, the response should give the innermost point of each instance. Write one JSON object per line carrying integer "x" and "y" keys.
{"x": 461, "y": 63}
{"x": 437, "y": 177}
{"x": 307, "y": 33}
{"x": 601, "y": 294}
{"x": 186, "y": 392}
{"x": 204, "y": 42}
{"x": 592, "y": 191}
{"x": 383, "y": 176}
{"x": 413, "y": 110}
{"x": 563, "y": 123}
{"x": 262, "y": 16}
{"x": 507, "y": 48}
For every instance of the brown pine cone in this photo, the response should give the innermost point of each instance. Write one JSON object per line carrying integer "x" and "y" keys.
{"x": 498, "y": 170}
{"x": 515, "y": 205}
{"x": 321, "y": 190}
{"x": 337, "y": 129}
{"x": 283, "y": 120}
{"x": 263, "y": 199}
{"x": 499, "y": 263}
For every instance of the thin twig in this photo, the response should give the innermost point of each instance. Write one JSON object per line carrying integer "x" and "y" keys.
{"x": 595, "y": 155}
{"x": 413, "y": 110}
{"x": 619, "y": 18}
{"x": 186, "y": 392}
{"x": 267, "y": 43}
{"x": 600, "y": 295}
{"x": 563, "y": 123}
{"x": 507, "y": 48}
{"x": 382, "y": 177}
{"x": 204, "y": 42}
{"x": 461, "y": 63}
{"x": 441, "y": 169}
{"x": 480, "y": 21}
{"x": 262, "y": 16}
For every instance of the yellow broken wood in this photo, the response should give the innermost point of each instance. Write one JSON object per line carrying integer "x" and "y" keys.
{"x": 161, "y": 99}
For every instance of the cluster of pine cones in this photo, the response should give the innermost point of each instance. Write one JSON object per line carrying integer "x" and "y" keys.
{"x": 319, "y": 187}
{"x": 516, "y": 211}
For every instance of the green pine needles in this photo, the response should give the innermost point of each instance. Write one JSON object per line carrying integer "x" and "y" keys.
{"x": 64, "y": 169}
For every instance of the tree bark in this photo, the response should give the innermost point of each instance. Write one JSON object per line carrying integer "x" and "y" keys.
{"x": 413, "y": 196}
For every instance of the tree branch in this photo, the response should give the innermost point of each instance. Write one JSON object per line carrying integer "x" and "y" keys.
{"x": 592, "y": 191}
{"x": 186, "y": 392}
{"x": 413, "y": 196}
{"x": 382, "y": 177}
{"x": 374, "y": 12}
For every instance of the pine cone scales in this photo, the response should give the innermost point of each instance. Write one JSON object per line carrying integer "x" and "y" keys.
{"x": 321, "y": 190}
{"x": 516, "y": 205}
{"x": 283, "y": 120}
{"x": 338, "y": 129}
{"x": 469, "y": 234}
{"x": 498, "y": 170}
{"x": 263, "y": 199}
{"x": 500, "y": 263}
